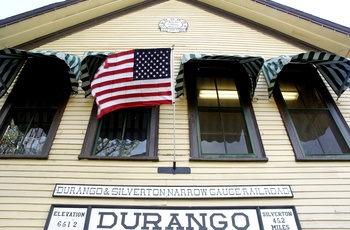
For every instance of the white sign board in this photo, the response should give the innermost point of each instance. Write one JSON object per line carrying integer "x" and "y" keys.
{"x": 67, "y": 218}
{"x": 173, "y": 192}
{"x": 172, "y": 218}
{"x": 278, "y": 219}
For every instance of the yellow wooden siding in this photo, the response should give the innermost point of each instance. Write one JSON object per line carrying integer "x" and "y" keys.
{"x": 321, "y": 189}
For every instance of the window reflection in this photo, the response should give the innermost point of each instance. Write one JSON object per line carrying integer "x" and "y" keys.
{"x": 222, "y": 125}
{"x": 317, "y": 131}
{"x": 123, "y": 133}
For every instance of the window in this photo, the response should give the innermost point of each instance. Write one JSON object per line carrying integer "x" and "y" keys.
{"x": 316, "y": 128}
{"x": 222, "y": 120}
{"x": 30, "y": 116}
{"x": 130, "y": 134}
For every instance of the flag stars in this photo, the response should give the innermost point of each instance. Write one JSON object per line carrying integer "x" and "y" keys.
{"x": 152, "y": 64}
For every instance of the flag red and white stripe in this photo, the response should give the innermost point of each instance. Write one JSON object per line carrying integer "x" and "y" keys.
{"x": 133, "y": 78}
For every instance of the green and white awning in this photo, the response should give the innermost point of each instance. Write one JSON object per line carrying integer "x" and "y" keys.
{"x": 90, "y": 63}
{"x": 335, "y": 69}
{"x": 12, "y": 60}
{"x": 251, "y": 64}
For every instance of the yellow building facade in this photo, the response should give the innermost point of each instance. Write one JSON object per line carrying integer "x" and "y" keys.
{"x": 31, "y": 189}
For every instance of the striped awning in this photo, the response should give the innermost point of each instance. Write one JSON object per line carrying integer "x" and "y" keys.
{"x": 335, "y": 69}
{"x": 251, "y": 64}
{"x": 12, "y": 60}
{"x": 90, "y": 63}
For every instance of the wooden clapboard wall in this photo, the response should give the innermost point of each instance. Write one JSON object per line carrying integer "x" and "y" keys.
{"x": 321, "y": 189}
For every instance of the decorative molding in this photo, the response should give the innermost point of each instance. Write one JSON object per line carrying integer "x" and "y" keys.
{"x": 173, "y": 25}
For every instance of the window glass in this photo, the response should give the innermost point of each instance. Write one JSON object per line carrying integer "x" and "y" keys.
{"x": 313, "y": 115}
{"x": 26, "y": 131}
{"x": 123, "y": 133}
{"x": 130, "y": 133}
{"x": 222, "y": 121}
{"x": 300, "y": 93}
{"x": 223, "y": 129}
{"x": 33, "y": 109}
{"x": 318, "y": 133}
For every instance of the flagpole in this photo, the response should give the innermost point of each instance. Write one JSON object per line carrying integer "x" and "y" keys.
{"x": 174, "y": 169}
{"x": 174, "y": 108}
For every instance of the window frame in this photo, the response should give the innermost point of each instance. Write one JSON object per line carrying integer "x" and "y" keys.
{"x": 91, "y": 134}
{"x": 253, "y": 131}
{"x": 328, "y": 101}
{"x": 6, "y": 111}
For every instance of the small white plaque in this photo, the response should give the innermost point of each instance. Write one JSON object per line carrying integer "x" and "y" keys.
{"x": 66, "y": 218}
{"x": 283, "y": 219}
{"x": 173, "y": 25}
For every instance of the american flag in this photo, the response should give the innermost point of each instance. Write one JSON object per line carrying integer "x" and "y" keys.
{"x": 133, "y": 78}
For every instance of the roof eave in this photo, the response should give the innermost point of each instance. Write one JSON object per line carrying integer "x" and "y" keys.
{"x": 311, "y": 33}
{"x": 262, "y": 12}
{"x": 60, "y": 19}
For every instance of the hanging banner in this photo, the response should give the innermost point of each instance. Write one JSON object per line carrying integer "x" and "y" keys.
{"x": 171, "y": 218}
{"x": 173, "y": 192}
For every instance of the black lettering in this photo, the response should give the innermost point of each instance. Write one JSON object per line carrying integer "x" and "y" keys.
{"x": 252, "y": 191}
{"x": 196, "y": 192}
{"x": 245, "y": 192}
{"x": 72, "y": 190}
{"x": 191, "y": 217}
{"x": 142, "y": 193}
{"x": 147, "y": 221}
{"x": 137, "y": 219}
{"x": 174, "y": 221}
{"x": 176, "y": 193}
{"x": 104, "y": 225}
{"x": 286, "y": 190}
{"x": 212, "y": 191}
{"x": 214, "y": 224}
{"x": 238, "y": 216}
{"x": 59, "y": 189}
{"x": 155, "y": 192}
{"x": 267, "y": 192}
{"x": 170, "y": 192}
{"x": 162, "y": 192}
{"x": 99, "y": 191}
{"x": 114, "y": 191}
{"x": 189, "y": 192}
{"x": 79, "y": 191}
{"x": 279, "y": 191}
{"x": 237, "y": 191}
{"x": 231, "y": 191}
{"x": 183, "y": 192}
{"x": 260, "y": 193}
{"x": 86, "y": 190}
{"x": 66, "y": 190}
{"x": 280, "y": 227}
